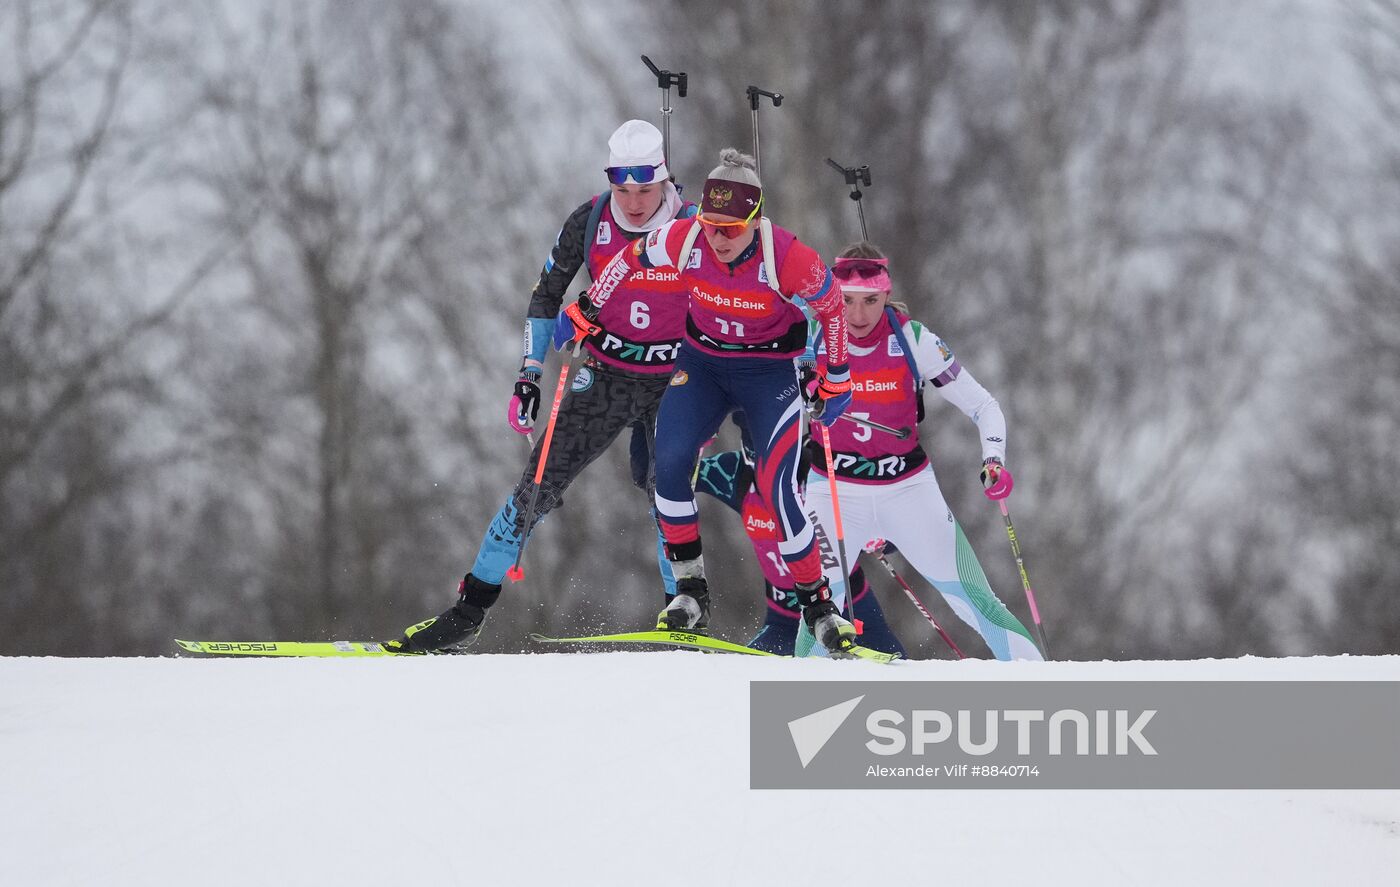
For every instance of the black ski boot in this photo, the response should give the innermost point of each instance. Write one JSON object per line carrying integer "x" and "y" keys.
{"x": 455, "y": 630}
{"x": 689, "y": 610}
{"x": 820, "y": 613}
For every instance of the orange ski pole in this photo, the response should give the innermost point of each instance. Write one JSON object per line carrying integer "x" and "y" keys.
{"x": 517, "y": 572}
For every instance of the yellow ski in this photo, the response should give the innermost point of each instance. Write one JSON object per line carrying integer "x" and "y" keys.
{"x": 664, "y": 638}
{"x": 289, "y": 648}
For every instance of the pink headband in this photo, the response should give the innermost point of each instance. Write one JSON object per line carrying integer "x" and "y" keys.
{"x": 860, "y": 275}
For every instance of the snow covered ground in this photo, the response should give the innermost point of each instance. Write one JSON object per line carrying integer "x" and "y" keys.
{"x": 619, "y": 768}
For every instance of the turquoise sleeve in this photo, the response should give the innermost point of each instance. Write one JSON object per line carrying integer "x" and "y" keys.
{"x": 538, "y": 333}
{"x": 814, "y": 335}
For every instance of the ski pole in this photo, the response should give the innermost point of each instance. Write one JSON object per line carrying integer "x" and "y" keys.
{"x": 855, "y": 177}
{"x": 900, "y": 433}
{"x": 753, "y": 93}
{"x": 840, "y": 533}
{"x": 516, "y": 572}
{"x": 909, "y": 592}
{"x": 665, "y": 80}
{"x": 1025, "y": 581}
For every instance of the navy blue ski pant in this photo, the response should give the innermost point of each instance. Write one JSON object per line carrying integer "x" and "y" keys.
{"x": 704, "y": 390}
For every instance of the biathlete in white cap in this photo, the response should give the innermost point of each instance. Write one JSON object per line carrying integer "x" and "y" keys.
{"x": 743, "y": 275}
{"x": 885, "y": 486}
{"x": 631, "y": 350}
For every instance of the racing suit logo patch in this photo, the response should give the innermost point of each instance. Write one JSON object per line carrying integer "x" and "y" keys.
{"x": 583, "y": 381}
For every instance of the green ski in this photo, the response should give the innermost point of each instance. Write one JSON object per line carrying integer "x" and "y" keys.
{"x": 695, "y": 641}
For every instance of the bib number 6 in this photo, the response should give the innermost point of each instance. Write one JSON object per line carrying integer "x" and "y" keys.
{"x": 639, "y": 316}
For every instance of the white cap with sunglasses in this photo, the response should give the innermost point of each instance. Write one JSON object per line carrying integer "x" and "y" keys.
{"x": 636, "y": 154}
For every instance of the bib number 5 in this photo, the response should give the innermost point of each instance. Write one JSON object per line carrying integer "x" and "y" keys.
{"x": 862, "y": 432}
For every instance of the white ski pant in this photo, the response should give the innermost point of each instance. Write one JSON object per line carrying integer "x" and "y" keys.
{"x": 913, "y": 515}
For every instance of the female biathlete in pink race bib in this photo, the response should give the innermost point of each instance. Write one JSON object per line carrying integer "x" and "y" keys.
{"x": 886, "y": 487}
{"x": 742, "y": 274}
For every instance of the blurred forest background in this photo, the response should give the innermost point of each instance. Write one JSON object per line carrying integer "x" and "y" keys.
{"x": 263, "y": 267}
